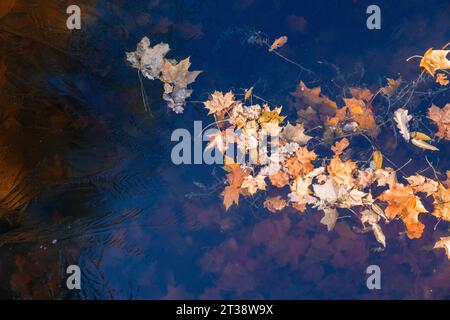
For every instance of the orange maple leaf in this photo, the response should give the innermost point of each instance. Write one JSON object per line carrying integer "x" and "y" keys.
{"x": 442, "y": 203}
{"x": 234, "y": 179}
{"x": 279, "y": 179}
{"x": 301, "y": 162}
{"x": 341, "y": 171}
{"x": 402, "y": 202}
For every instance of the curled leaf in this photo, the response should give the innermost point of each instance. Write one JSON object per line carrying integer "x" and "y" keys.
{"x": 423, "y": 145}
{"x": 278, "y": 43}
{"x": 378, "y": 159}
{"x": 434, "y": 60}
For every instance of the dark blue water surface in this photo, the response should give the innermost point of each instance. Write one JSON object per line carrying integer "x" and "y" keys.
{"x": 87, "y": 177}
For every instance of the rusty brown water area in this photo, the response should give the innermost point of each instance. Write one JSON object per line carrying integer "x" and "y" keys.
{"x": 86, "y": 176}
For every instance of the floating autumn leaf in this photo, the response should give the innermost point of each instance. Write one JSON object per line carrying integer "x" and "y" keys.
{"x": 443, "y": 243}
{"x": 178, "y": 74}
{"x": 272, "y": 116}
{"x": 422, "y": 184}
{"x": 295, "y": 134}
{"x": 278, "y": 43}
{"x": 279, "y": 179}
{"x": 358, "y": 111}
{"x": 341, "y": 171}
{"x": 402, "y": 202}
{"x": 299, "y": 191}
{"x": 312, "y": 97}
{"x": 248, "y": 94}
{"x": 391, "y": 87}
{"x": 363, "y": 115}
{"x": 219, "y": 103}
{"x": 402, "y": 119}
{"x": 221, "y": 139}
{"x": 328, "y": 192}
{"x": 386, "y": 176}
{"x": 420, "y": 136}
{"x": 148, "y": 60}
{"x": 301, "y": 162}
{"x": 441, "y": 78}
{"x": 378, "y": 159}
{"x": 340, "y": 146}
{"x": 330, "y": 217}
{"x": 252, "y": 184}
{"x": 441, "y": 117}
{"x": 232, "y": 190}
{"x": 423, "y": 145}
{"x": 442, "y": 203}
{"x": 371, "y": 218}
{"x": 275, "y": 204}
{"x": 434, "y": 60}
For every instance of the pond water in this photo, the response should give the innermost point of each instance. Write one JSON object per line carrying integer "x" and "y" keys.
{"x": 86, "y": 176}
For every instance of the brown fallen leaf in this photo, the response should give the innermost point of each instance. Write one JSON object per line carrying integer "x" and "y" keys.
{"x": 441, "y": 78}
{"x": 422, "y": 184}
{"x": 444, "y": 243}
{"x": 278, "y": 43}
{"x": 441, "y": 117}
{"x": 391, "y": 87}
{"x": 312, "y": 97}
{"x": 275, "y": 204}
{"x": 178, "y": 74}
{"x": 442, "y": 203}
{"x": 295, "y": 134}
{"x": 340, "y": 146}
{"x": 330, "y": 217}
{"x": 279, "y": 179}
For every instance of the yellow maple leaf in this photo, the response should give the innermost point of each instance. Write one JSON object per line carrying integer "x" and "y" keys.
{"x": 434, "y": 60}
{"x": 272, "y": 116}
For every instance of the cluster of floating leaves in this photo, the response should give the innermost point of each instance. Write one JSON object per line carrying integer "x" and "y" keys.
{"x": 152, "y": 64}
{"x": 326, "y": 184}
{"x": 330, "y": 184}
